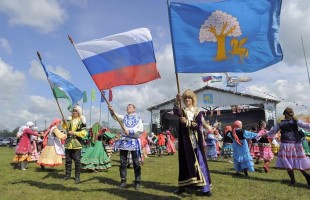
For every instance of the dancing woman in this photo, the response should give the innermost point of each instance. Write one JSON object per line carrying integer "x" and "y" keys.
{"x": 291, "y": 155}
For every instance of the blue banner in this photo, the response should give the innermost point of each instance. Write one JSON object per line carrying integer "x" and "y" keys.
{"x": 208, "y": 99}
{"x": 225, "y": 36}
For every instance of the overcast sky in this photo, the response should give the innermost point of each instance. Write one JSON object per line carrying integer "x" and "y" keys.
{"x": 28, "y": 26}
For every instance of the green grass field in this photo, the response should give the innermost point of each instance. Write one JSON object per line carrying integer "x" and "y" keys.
{"x": 159, "y": 180}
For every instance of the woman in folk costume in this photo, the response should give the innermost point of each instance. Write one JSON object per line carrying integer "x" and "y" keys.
{"x": 76, "y": 128}
{"x": 34, "y": 155}
{"x": 242, "y": 157}
{"x": 153, "y": 143}
{"x": 227, "y": 149}
{"x": 18, "y": 136}
{"x": 85, "y": 142}
{"x": 264, "y": 144}
{"x": 95, "y": 157}
{"x": 211, "y": 145}
{"x": 144, "y": 144}
{"x": 23, "y": 151}
{"x": 306, "y": 142}
{"x": 219, "y": 143}
{"x": 254, "y": 148}
{"x": 53, "y": 150}
{"x": 291, "y": 155}
{"x": 275, "y": 143}
{"x": 170, "y": 143}
{"x": 161, "y": 143}
{"x": 193, "y": 168}
{"x": 108, "y": 140}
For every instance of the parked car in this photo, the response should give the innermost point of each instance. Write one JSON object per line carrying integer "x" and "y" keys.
{"x": 8, "y": 141}
{"x": 5, "y": 142}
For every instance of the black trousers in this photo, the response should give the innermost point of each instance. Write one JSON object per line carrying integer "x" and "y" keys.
{"x": 73, "y": 154}
{"x": 136, "y": 166}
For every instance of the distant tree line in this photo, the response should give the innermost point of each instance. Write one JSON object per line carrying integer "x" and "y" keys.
{"x": 6, "y": 133}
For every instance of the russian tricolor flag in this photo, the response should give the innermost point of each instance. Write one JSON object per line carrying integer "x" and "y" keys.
{"x": 121, "y": 59}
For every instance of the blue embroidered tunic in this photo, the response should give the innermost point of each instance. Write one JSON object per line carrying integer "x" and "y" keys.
{"x": 133, "y": 123}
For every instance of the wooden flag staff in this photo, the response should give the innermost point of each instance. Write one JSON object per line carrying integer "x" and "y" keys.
{"x": 62, "y": 115}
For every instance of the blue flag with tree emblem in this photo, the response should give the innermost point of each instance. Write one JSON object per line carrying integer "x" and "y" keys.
{"x": 225, "y": 36}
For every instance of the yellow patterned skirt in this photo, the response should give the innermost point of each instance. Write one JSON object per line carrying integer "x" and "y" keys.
{"x": 22, "y": 158}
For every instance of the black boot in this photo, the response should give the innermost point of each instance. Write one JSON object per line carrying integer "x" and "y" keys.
{"x": 77, "y": 179}
{"x": 68, "y": 172}
{"x": 245, "y": 172}
{"x": 42, "y": 167}
{"x": 123, "y": 184}
{"x": 207, "y": 194}
{"x": 292, "y": 177}
{"x": 137, "y": 186}
{"x": 77, "y": 173}
{"x": 307, "y": 176}
{"x": 123, "y": 174}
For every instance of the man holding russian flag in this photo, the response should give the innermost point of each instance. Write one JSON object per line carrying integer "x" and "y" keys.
{"x": 122, "y": 59}
{"x": 133, "y": 128}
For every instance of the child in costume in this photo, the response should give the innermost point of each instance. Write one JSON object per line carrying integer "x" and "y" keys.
{"x": 242, "y": 157}
{"x": 264, "y": 144}
{"x": 254, "y": 148}
{"x": 161, "y": 143}
{"x": 227, "y": 149}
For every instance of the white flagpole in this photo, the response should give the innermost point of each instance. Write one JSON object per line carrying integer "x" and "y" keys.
{"x": 91, "y": 103}
{"x": 100, "y": 114}
{"x": 302, "y": 42}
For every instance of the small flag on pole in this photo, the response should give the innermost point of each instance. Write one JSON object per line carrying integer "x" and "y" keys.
{"x": 206, "y": 78}
{"x": 93, "y": 94}
{"x": 102, "y": 99}
{"x": 216, "y": 79}
{"x": 110, "y": 95}
{"x": 85, "y": 97}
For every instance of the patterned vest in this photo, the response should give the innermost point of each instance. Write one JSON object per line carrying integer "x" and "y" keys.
{"x": 289, "y": 130}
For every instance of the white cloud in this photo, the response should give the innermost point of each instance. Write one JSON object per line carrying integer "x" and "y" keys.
{"x": 45, "y": 15}
{"x": 36, "y": 71}
{"x": 4, "y": 44}
{"x": 11, "y": 81}
{"x": 34, "y": 108}
{"x": 79, "y": 3}
{"x": 12, "y": 87}
{"x": 295, "y": 22}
